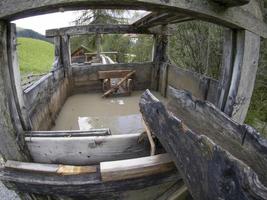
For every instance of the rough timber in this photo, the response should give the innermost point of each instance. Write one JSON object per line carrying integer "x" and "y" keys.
{"x": 227, "y": 173}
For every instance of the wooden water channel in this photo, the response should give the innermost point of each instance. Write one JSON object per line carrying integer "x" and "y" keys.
{"x": 201, "y": 145}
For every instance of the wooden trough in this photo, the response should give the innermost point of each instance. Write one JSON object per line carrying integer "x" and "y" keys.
{"x": 217, "y": 157}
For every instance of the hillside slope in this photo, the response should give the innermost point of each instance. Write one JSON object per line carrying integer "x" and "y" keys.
{"x": 35, "y": 56}
{"x": 28, "y": 33}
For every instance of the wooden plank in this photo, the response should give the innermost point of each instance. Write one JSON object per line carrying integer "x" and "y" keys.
{"x": 151, "y": 141}
{"x": 164, "y": 79}
{"x": 226, "y": 68}
{"x": 15, "y": 78}
{"x": 204, "y": 118}
{"x": 11, "y": 142}
{"x": 50, "y": 168}
{"x": 89, "y": 186}
{"x": 199, "y": 159}
{"x": 134, "y": 168}
{"x": 244, "y": 75}
{"x": 246, "y": 17}
{"x": 95, "y": 28}
{"x": 113, "y": 74}
{"x": 58, "y": 59}
{"x": 93, "y": 132}
{"x": 86, "y": 150}
{"x": 114, "y": 88}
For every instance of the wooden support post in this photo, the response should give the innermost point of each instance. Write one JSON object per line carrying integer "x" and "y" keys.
{"x": 243, "y": 76}
{"x": 58, "y": 59}
{"x": 65, "y": 54}
{"x": 151, "y": 141}
{"x": 15, "y": 78}
{"x": 11, "y": 138}
{"x": 227, "y": 68}
{"x": 98, "y": 46}
{"x": 159, "y": 58}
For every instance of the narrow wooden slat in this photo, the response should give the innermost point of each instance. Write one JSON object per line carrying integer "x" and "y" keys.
{"x": 93, "y": 132}
{"x": 151, "y": 141}
{"x": 50, "y": 168}
{"x": 134, "y": 168}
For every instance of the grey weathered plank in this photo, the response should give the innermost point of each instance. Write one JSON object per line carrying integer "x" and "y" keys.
{"x": 95, "y": 28}
{"x": 93, "y": 132}
{"x": 90, "y": 186}
{"x": 235, "y": 17}
{"x": 244, "y": 75}
{"x": 226, "y": 68}
{"x": 134, "y": 168}
{"x": 11, "y": 138}
{"x": 209, "y": 171}
{"x": 85, "y": 77}
{"x": 86, "y": 150}
{"x": 204, "y": 118}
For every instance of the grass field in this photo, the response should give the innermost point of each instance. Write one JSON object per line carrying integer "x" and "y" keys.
{"x": 35, "y": 56}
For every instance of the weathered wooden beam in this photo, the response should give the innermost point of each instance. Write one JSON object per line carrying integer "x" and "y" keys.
{"x": 50, "y": 168}
{"x": 135, "y": 168}
{"x": 11, "y": 138}
{"x": 58, "y": 59}
{"x": 160, "y": 58}
{"x": 84, "y": 150}
{"x": 96, "y": 28}
{"x": 246, "y": 17}
{"x": 226, "y": 68}
{"x": 15, "y": 78}
{"x": 160, "y": 18}
{"x": 208, "y": 170}
{"x": 243, "y": 76}
{"x": 92, "y": 132}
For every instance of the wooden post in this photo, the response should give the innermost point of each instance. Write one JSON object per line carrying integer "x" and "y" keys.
{"x": 65, "y": 54}
{"x": 58, "y": 59}
{"x": 243, "y": 76}
{"x": 160, "y": 58}
{"x": 226, "y": 68}
{"x": 98, "y": 46}
{"x": 11, "y": 135}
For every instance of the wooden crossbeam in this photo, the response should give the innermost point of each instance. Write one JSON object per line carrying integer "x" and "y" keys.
{"x": 156, "y": 18}
{"x": 113, "y": 89}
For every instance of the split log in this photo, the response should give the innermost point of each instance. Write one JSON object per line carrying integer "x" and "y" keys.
{"x": 113, "y": 89}
{"x": 208, "y": 170}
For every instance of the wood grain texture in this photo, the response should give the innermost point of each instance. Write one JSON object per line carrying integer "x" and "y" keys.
{"x": 11, "y": 138}
{"x": 240, "y": 140}
{"x": 85, "y": 77}
{"x": 93, "y": 132}
{"x": 95, "y": 28}
{"x": 199, "y": 159}
{"x": 236, "y": 17}
{"x": 243, "y": 75}
{"x": 134, "y": 168}
{"x": 89, "y": 186}
{"x": 86, "y": 150}
{"x": 50, "y": 168}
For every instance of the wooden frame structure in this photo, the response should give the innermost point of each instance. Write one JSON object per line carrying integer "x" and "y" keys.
{"x": 244, "y": 19}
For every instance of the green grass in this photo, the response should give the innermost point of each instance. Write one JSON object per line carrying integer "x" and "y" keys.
{"x": 35, "y": 56}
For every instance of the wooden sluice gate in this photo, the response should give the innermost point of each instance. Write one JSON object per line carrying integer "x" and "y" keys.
{"x": 196, "y": 146}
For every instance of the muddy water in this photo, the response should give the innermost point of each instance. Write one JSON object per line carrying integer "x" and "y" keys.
{"x": 85, "y": 111}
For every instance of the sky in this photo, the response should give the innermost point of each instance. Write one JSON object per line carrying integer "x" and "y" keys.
{"x": 50, "y": 21}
